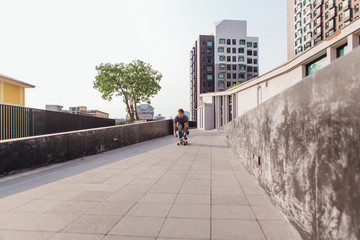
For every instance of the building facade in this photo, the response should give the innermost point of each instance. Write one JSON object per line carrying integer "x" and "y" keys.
{"x": 145, "y": 111}
{"x": 201, "y": 70}
{"x": 310, "y": 22}
{"x": 219, "y": 61}
{"x": 219, "y": 108}
{"x": 12, "y": 91}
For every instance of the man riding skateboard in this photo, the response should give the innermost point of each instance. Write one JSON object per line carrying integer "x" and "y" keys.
{"x": 181, "y": 125}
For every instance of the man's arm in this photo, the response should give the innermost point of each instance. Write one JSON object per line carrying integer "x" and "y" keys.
{"x": 175, "y": 129}
{"x": 185, "y": 127}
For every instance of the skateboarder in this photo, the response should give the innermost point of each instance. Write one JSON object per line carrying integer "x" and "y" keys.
{"x": 181, "y": 125}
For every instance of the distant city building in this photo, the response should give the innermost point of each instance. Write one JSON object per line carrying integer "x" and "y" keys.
{"x": 310, "y": 22}
{"x": 187, "y": 113}
{"x": 222, "y": 60}
{"x": 159, "y": 117}
{"x": 81, "y": 110}
{"x": 56, "y": 108}
{"x": 145, "y": 111}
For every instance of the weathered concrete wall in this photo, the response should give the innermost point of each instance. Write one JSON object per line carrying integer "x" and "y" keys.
{"x": 32, "y": 152}
{"x": 308, "y": 142}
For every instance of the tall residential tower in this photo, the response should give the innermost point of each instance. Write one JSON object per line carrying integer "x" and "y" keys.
{"x": 221, "y": 60}
{"x": 310, "y": 22}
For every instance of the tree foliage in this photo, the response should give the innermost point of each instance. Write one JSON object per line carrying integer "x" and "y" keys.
{"x": 136, "y": 82}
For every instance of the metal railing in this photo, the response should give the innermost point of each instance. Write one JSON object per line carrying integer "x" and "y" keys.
{"x": 17, "y": 122}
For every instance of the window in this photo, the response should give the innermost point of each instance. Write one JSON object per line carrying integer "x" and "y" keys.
{"x": 202, "y": 75}
{"x": 234, "y": 50}
{"x": 202, "y": 50}
{"x": 222, "y": 66}
{"x": 342, "y": 50}
{"x": 255, "y": 61}
{"x": 317, "y": 12}
{"x": 249, "y": 77}
{"x": 340, "y": 17}
{"x": 203, "y": 43}
{"x": 255, "y": 53}
{"x": 221, "y": 84}
{"x": 242, "y": 42}
{"x": 316, "y": 65}
{"x": 234, "y": 67}
{"x": 242, "y": 67}
{"x": 228, "y": 41}
{"x": 202, "y": 67}
{"x": 241, "y": 50}
{"x": 202, "y": 84}
{"x": 249, "y": 44}
{"x": 228, "y": 84}
{"x": 317, "y": 21}
{"x": 234, "y": 42}
{"x": 228, "y": 75}
{"x": 209, "y": 43}
{"x": 234, "y": 58}
{"x": 330, "y": 33}
{"x": 221, "y": 75}
{"x": 347, "y": 13}
{"x": 208, "y": 51}
{"x": 249, "y": 61}
{"x": 307, "y": 45}
{"x": 228, "y": 59}
{"x": 209, "y": 60}
{"x": 249, "y": 69}
{"x": 255, "y": 69}
{"x": 255, "y": 44}
{"x": 234, "y": 75}
{"x": 222, "y": 41}
{"x": 221, "y": 49}
{"x": 228, "y": 67}
{"x": 241, "y": 59}
{"x": 228, "y": 50}
{"x": 345, "y": 3}
{"x": 210, "y": 85}
{"x": 332, "y": 11}
{"x": 221, "y": 58}
{"x": 330, "y": 24}
{"x": 317, "y": 30}
{"x": 209, "y": 77}
{"x": 209, "y": 68}
{"x": 202, "y": 59}
{"x": 249, "y": 52}
{"x": 241, "y": 75}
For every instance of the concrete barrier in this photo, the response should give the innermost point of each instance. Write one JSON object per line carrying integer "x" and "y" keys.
{"x": 32, "y": 152}
{"x": 303, "y": 146}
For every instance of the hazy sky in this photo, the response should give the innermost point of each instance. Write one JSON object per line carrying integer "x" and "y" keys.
{"x": 55, "y": 45}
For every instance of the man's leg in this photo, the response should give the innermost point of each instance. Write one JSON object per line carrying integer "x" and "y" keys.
{"x": 180, "y": 128}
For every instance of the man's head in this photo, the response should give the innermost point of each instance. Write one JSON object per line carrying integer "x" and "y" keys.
{"x": 180, "y": 113}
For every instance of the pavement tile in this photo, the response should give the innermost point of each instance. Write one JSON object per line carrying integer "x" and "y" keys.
{"x": 111, "y": 208}
{"x": 94, "y": 224}
{"x": 138, "y": 226}
{"x": 165, "y": 189}
{"x": 232, "y": 212}
{"x": 222, "y": 199}
{"x": 193, "y": 199}
{"x": 195, "y": 190}
{"x": 95, "y": 196}
{"x": 7, "y": 204}
{"x": 38, "y": 206}
{"x": 75, "y": 207}
{"x": 150, "y": 210}
{"x": 190, "y": 211}
{"x": 49, "y": 222}
{"x": 259, "y": 200}
{"x": 186, "y": 228}
{"x": 62, "y": 195}
{"x": 268, "y": 212}
{"x": 20, "y": 235}
{"x": 123, "y": 197}
{"x": 108, "y": 237}
{"x": 278, "y": 230}
{"x": 158, "y": 198}
{"x": 236, "y": 230}
{"x": 76, "y": 236}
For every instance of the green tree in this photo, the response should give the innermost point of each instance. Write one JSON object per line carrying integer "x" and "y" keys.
{"x": 136, "y": 82}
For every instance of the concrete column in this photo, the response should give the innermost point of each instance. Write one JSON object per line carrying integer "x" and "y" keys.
{"x": 353, "y": 42}
{"x": 331, "y": 54}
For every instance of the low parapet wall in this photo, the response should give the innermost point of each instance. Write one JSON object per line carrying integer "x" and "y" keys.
{"x": 303, "y": 146}
{"x": 32, "y": 152}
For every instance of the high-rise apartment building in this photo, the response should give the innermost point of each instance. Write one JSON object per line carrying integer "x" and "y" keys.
{"x": 221, "y": 60}
{"x": 312, "y": 21}
{"x": 201, "y": 70}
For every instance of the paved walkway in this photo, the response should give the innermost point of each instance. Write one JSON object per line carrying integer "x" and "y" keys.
{"x": 168, "y": 192}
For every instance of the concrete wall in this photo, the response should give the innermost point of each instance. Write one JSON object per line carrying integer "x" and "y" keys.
{"x": 307, "y": 140}
{"x": 33, "y": 152}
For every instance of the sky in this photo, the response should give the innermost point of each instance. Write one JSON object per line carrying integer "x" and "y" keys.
{"x": 55, "y": 45}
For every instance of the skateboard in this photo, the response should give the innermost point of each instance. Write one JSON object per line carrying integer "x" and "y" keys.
{"x": 182, "y": 142}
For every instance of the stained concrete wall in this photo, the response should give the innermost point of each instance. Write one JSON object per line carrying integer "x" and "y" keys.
{"x": 33, "y": 152}
{"x": 307, "y": 141}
